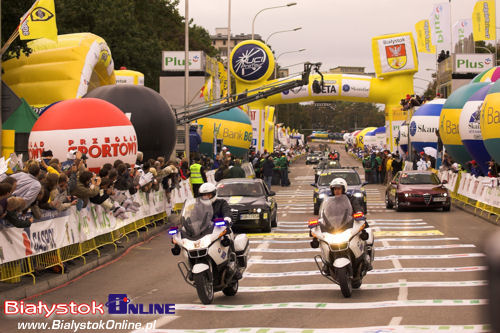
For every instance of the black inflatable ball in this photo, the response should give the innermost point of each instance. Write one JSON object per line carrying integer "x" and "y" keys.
{"x": 152, "y": 117}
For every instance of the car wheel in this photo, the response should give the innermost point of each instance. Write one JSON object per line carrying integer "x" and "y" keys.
{"x": 397, "y": 206}
{"x": 388, "y": 203}
{"x": 267, "y": 227}
{"x": 274, "y": 223}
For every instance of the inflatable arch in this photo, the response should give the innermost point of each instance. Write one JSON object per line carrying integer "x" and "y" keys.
{"x": 395, "y": 59}
{"x": 69, "y": 68}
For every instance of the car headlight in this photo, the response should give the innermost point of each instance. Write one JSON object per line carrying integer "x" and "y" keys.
{"x": 256, "y": 210}
{"x": 318, "y": 173}
{"x": 322, "y": 195}
{"x": 339, "y": 238}
{"x": 358, "y": 195}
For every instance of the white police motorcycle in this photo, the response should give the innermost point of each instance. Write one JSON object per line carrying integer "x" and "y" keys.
{"x": 345, "y": 257}
{"x": 213, "y": 260}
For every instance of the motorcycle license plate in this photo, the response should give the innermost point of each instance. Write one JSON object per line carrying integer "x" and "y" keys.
{"x": 249, "y": 216}
{"x": 439, "y": 199}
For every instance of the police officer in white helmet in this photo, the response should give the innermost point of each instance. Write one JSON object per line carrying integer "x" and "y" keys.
{"x": 349, "y": 206}
{"x": 220, "y": 207}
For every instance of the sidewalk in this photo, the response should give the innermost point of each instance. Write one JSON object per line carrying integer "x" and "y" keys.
{"x": 46, "y": 280}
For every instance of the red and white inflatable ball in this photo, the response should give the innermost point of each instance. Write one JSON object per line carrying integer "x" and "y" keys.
{"x": 93, "y": 126}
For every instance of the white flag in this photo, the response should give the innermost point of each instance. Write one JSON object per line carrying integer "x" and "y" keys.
{"x": 441, "y": 29}
{"x": 461, "y": 29}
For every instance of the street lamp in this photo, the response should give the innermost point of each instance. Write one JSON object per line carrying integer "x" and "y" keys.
{"x": 276, "y": 60}
{"x": 277, "y": 32}
{"x": 253, "y": 22}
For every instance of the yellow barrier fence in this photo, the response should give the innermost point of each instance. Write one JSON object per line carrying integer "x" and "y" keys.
{"x": 11, "y": 272}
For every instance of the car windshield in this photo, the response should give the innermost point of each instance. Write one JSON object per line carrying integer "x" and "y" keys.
{"x": 419, "y": 178}
{"x": 328, "y": 165}
{"x": 240, "y": 189}
{"x": 351, "y": 178}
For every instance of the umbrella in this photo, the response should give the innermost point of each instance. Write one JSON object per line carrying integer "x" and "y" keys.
{"x": 431, "y": 151}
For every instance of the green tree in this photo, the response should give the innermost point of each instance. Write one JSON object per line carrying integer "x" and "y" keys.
{"x": 136, "y": 31}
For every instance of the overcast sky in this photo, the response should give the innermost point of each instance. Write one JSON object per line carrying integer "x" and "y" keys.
{"x": 334, "y": 32}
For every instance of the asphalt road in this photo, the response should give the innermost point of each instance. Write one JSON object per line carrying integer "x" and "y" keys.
{"x": 429, "y": 275}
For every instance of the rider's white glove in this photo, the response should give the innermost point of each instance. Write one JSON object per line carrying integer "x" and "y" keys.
{"x": 228, "y": 220}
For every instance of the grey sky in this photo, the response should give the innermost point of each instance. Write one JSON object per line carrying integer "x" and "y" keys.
{"x": 334, "y": 32}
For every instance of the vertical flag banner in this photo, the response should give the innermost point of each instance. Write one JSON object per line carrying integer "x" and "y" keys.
{"x": 424, "y": 39}
{"x": 40, "y": 22}
{"x": 484, "y": 20}
{"x": 461, "y": 29}
{"x": 394, "y": 54}
{"x": 441, "y": 26}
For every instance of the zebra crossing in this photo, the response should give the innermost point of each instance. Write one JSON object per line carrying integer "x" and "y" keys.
{"x": 412, "y": 257}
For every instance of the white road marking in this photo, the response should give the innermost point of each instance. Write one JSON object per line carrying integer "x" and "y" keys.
{"x": 375, "y": 271}
{"x": 374, "y": 286}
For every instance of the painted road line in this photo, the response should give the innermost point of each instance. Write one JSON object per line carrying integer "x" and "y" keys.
{"x": 385, "y": 258}
{"x": 373, "y": 286}
{"x": 290, "y": 229}
{"x": 332, "y": 306}
{"x": 404, "y": 227}
{"x": 403, "y": 291}
{"x": 424, "y": 247}
{"x": 411, "y": 233}
{"x": 370, "y": 329}
{"x": 375, "y": 271}
{"x": 417, "y": 239}
{"x": 272, "y": 241}
{"x": 373, "y": 224}
{"x": 398, "y": 220}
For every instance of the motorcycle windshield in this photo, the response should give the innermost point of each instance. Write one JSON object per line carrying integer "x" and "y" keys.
{"x": 336, "y": 214}
{"x": 196, "y": 218}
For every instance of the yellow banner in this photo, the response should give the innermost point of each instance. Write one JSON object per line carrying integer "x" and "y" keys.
{"x": 424, "y": 42}
{"x": 40, "y": 22}
{"x": 484, "y": 20}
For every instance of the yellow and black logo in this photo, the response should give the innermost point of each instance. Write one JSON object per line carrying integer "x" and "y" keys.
{"x": 41, "y": 14}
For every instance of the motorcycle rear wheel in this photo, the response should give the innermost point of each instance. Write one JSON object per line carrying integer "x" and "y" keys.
{"x": 344, "y": 280}
{"x": 204, "y": 288}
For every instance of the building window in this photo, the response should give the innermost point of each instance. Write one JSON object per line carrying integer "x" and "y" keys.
{"x": 224, "y": 42}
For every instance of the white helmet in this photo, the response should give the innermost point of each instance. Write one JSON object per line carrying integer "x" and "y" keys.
{"x": 339, "y": 182}
{"x": 208, "y": 188}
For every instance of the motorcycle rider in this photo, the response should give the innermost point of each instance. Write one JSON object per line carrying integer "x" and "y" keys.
{"x": 221, "y": 209}
{"x": 338, "y": 186}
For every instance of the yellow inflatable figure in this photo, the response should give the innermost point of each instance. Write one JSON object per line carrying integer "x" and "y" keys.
{"x": 56, "y": 71}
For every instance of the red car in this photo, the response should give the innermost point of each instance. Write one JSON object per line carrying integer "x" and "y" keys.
{"x": 417, "y": 189}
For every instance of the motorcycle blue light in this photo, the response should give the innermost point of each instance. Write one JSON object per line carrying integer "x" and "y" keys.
{"x": 220, "y": 223}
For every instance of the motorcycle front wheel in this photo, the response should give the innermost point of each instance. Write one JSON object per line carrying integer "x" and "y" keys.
{"x": 231, "y": 289}
{"x": 204, "y": 288}
{"x": 344, "y": 280}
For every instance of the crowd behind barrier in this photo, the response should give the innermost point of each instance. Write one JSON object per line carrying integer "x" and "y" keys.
{"x": 53, "y": 212}
{"x": 46, "y": 234}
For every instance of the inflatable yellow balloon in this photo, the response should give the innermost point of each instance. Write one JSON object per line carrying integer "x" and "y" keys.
{"x": 56, "y": 71}
{"x": 360, "y": 138}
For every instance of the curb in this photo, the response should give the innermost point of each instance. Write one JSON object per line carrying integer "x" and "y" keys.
{"x": 27, "y": 289}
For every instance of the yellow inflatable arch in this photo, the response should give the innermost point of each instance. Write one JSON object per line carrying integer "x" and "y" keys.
{"x": 55, "y": 71}
{"x": 395, "y": 60}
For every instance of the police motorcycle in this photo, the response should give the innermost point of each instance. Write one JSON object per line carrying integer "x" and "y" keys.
{"x": 214, "y": 259}
{"x": 345, "y": 256}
